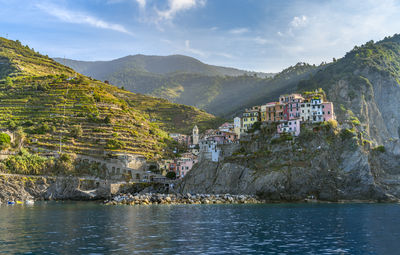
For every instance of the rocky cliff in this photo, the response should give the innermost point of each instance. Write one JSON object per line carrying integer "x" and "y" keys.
{"x": 324, "y": 162}
{"x": 22, "y": 188}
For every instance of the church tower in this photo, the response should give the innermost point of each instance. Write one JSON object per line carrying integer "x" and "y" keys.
{"x": 195, "y": 135}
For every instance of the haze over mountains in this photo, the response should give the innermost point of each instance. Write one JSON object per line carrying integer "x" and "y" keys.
{"x": 219, "y": 90}
{"x": 363, "y": 85}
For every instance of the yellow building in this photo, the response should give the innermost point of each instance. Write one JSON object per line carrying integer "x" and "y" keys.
{"x": 249, "y": 117}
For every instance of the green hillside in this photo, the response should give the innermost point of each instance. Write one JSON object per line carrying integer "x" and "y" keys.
{"x": 219, "y": 90}
{"x": 51, "y": 102}
{"x": 365, "y": 87}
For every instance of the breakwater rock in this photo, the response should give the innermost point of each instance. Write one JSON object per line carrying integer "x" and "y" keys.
{"x": 156, "y": 198}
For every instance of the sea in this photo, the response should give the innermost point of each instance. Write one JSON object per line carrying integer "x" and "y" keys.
{"x": 94, "y": 228}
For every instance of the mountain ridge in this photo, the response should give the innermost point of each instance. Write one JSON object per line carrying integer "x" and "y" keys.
{"x": 220, "y": 95}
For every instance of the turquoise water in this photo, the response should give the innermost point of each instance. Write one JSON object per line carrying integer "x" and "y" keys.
{"x": 91, "y": 228}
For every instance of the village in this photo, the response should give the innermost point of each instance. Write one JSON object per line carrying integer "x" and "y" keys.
{"x": 289, "y": 112}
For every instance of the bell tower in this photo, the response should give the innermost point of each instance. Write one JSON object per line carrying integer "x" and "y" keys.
{"x": 195, "y": 135}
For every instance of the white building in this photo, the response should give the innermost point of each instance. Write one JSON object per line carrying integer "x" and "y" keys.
{"x": 209, "y": 150}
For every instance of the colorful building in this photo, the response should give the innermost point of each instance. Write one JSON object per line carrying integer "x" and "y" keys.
{"x": 249, "y": 117}
{"x": 272, "y": 112}
{"x": 290, "y": 127}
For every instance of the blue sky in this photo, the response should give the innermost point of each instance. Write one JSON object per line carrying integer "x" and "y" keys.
{"x": 261, "y": 35}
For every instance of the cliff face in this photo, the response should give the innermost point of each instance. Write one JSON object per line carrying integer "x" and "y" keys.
{"x": 323, "y": 163}
{"x": 17, "y": 187}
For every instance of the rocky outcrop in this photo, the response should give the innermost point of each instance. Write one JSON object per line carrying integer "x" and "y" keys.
{"x": 325, "y": 165}
{"x": 22, "y": 188}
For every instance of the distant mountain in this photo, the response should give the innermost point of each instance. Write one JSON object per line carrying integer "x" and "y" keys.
{"x": 218, "y": 90}
{"x": 153, "y": 64}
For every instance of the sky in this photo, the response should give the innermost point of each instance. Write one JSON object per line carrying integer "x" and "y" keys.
{"x": 257, "y": 35}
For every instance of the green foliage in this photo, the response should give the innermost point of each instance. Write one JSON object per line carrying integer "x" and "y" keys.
{"x": 256, "y": 126}
{"x": 65, "y": 164}
{"x": 380, "y": 148}
{"x": 5, "y": 141}
{"x": 282, "y": 138}
{"x": 76, "y": 131}
{"x": 346, "y": 134}
{"x": 115, "y": 144}
{"x": 9, "y": 82}
{"x": 26, "y": 163}
{"x": 171, "y": 175}
{"x": 355, "y": 121}
{"x": 215, "y": 89}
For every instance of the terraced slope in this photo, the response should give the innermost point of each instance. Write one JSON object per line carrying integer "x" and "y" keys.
{"x": 51, "y": 102}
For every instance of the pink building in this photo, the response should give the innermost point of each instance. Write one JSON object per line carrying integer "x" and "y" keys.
{"x": 226, "y": 127}
{"x": 184, "y": 165}
{"x": 291, "y": 127}
{"x": 327, "y": 111}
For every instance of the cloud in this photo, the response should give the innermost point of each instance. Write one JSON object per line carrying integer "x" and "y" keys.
{"x": 194, "y": 51}
{"x": 176, "y": 6}
{"x": 141, "y": 3}
{"x": 80, "y": 18}
{"x": 261, "y": 41}
{"x": 299, "y": 21}
{"x": 238, "y": 31}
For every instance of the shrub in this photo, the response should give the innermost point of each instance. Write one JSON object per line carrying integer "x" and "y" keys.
{"x": 65, "y": 164}
{"x": 115, "y": 144}
{"x": 171, "y": 175}
{"x": 9, "y": 82}
{"x": 347, "y": 134}
{"x": 26, "y": 163}
{"x": 380, "y": 148}
{"x": 76, "y": 131}
{"x": 283, "y": 137}
{"x": 5, "y": 141}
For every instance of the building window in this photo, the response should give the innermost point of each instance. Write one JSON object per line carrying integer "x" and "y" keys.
{"x": 329, "y": 112}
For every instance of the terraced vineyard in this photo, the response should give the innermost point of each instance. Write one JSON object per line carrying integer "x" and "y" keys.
{"x": 56, "y": 106}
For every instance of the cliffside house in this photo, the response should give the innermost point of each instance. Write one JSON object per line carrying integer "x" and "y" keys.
{"x": 291, "y": 127}
{"x": 272, "y": 112}
{"x": 249, "y": 117}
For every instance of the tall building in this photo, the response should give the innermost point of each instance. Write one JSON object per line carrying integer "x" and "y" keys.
{"x": 195, "y": 135}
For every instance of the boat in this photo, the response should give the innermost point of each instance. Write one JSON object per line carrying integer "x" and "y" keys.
{"x": 19, "y": 202}
{"x": 11, "y": 203}
{"x": 29, "y": 202}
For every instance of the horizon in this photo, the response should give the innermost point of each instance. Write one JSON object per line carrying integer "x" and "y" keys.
{"x": 261, "y": 36}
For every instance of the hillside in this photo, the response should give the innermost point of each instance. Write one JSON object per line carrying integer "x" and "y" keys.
{"x": 364, "y": 85}
{"x": 357, "y": 158}
{"x": 152, "y": 64}
{"x": 50, "y": 102}
{"x": 218, "y": 90}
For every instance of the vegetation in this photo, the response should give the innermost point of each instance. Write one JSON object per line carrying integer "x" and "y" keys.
{"x": 5, "y": 141}
{"x": 187, "y": 81}
{"x": 171, "y": 175}
{"x": 51, "y": 104}
{"x": 380, "y": 148}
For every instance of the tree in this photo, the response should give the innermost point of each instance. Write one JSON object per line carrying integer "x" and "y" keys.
{"x": 9, "y": 82}
{"x": 5, "y": 141}
{"x": 171, "y": 175}
{"x": 107, "y": 120}
{"x": 76, "y": 131}
{"x": 66, "y": 163}
{"x": 19, "y": 136}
